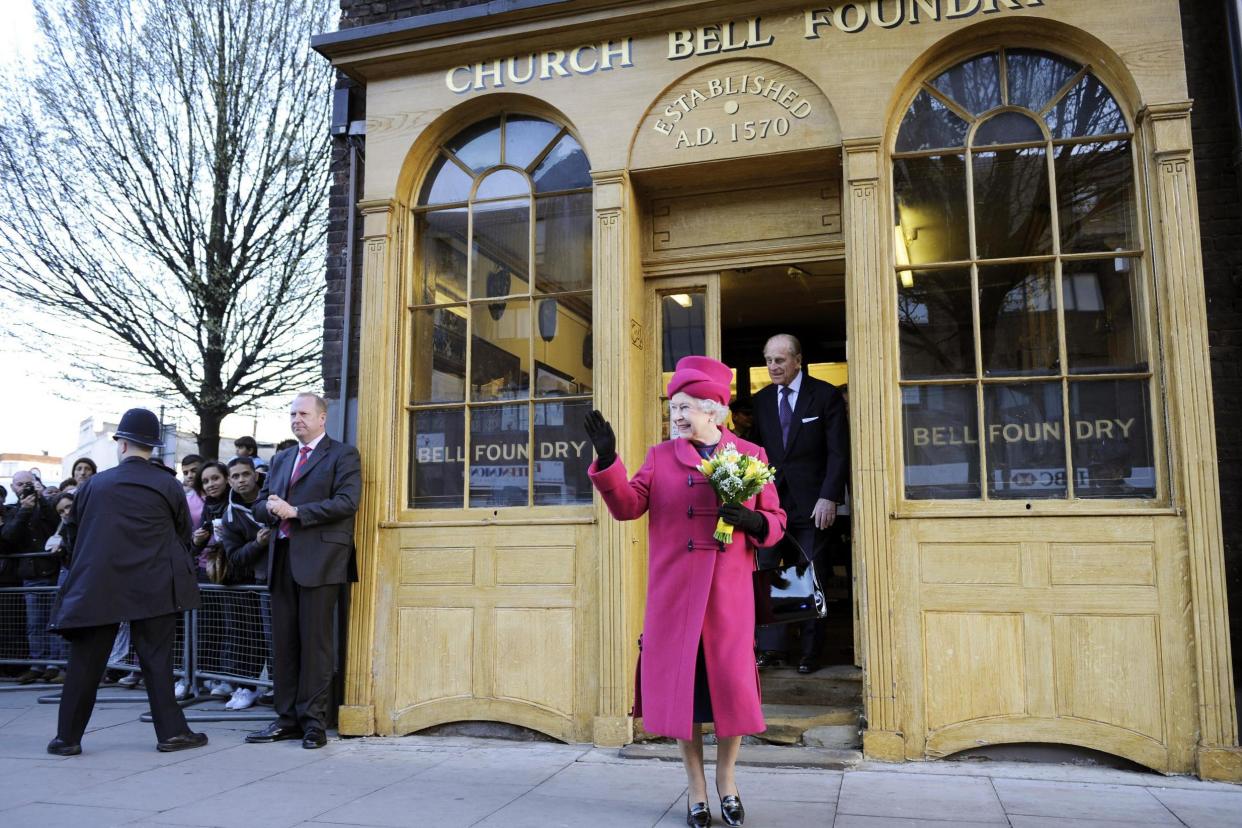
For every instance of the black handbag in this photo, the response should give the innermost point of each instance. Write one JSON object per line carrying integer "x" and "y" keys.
{"x": 789, "y": 592}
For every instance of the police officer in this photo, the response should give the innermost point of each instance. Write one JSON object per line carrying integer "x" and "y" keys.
{"x": 132, "y": 563}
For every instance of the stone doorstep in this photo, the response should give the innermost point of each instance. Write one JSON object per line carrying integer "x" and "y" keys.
{"x": 756, "y": 756}
{"x": 836, "y": 685}
{"x": 787, "y": 724}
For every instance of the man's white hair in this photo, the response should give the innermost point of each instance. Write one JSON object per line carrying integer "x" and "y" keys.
{"x": 719, "y": 413}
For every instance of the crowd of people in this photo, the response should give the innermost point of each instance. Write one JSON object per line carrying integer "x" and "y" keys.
{"x": 37, "y": 534}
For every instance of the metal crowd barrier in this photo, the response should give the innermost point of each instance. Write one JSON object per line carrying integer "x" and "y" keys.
{"x": 227, "y": 639}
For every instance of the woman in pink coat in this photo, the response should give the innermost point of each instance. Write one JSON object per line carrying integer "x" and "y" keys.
{"x": 696, "y": 661}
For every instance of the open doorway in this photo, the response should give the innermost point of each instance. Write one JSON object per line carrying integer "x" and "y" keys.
{"x": 807, "y": 300}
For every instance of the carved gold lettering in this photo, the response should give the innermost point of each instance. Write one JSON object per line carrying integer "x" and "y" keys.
{"x": 451, "y": 79}
{"x": 961, "y": 8}
{"x": 549, "y": 62}
{"x": 623, "y": 51}
{"x": 932, "y": 7}
{"x": 485, "y": 70}
{"x": 714, "y": 88}
{"x": 877, "y": 14}
{"x": 663, "y": 128}
{"x": 680, "y": 44}
{"x": 989, "y": 6}
{"x": 754, "y": 38}
{"x": 575, "y": 60}
{"x": 841, "y": 17}
{"x": 813, "y": 19}
{"x": 513, "y": 75}
{"x": 708, "y": 40}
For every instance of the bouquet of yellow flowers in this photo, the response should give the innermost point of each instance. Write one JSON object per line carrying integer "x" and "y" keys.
{"x": 736, "y": 477}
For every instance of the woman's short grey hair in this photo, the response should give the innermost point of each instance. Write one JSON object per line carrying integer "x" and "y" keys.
{"x": 718, "y": 412}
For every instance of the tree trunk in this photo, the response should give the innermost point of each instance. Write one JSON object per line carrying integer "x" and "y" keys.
{"x": 209, "y": 434}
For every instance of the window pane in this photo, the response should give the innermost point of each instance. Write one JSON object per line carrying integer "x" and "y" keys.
{"x": 499, "y": 455}
{"x": 503, "y": 183}
{"x": 1101, "y": 332}
{"x": 1087, "y": 109}
{"x": 500, "y": 350}
{"x": 941, "y": 442}
{"x": 931, "y": 206}
{"x": 446, "y": 182}
{"x": 1008, "y": 128}
{"x": 562, "y": 454}
{"x": 1013, "y": 214}
{"x": 1095, "y": 197}
{"x": 1034, "y": 77}
{"x": 564, "y": 326}
{"x": 478, "y": 147}
{"x": 973, "y": 85}
{"x": 929, "y": 124}
{"x": 443, "y": 238}
{"x": 684, "y": 327}
{"x": 501, "y": 248}
{"x": 935, "y": 316}
{"x": 1025, "y": 441}
{"x": 563, "y": 243}
{"x": 565, "y": 168}
{"x": 526, "y": 138}
{"x": 1018, "y": 320}
{"x": 1112, "y": 439}
{"x": 440, "y": 332}
{"x": 437, "y": 467}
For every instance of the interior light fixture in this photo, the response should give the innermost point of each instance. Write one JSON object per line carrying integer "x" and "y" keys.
{"x": 682, "y": 299}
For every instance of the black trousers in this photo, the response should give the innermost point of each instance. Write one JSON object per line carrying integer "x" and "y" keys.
{"x": 303, "y": 654}
{"x": 815, "y": 542}
{"x": 89, "y": 648}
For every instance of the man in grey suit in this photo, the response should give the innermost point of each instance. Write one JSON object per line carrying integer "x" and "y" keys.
{"x": 310, "y": 497}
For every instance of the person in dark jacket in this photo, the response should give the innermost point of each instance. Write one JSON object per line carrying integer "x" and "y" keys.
{"x": 131, "y": 562}
{"x": 248, "y": 614}
{"x": 27, "y": 526}
{"x": 310, "y": 499}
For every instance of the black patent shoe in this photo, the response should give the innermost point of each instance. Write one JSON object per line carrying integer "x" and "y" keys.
{"x": 275, "y": 732}
{"x": 731, "y": 810}
{"x": 698, "y": 815}
{"x": 182, "y": 741}
{"x": 59, "y": 747}
{"x": 770, "y": 658}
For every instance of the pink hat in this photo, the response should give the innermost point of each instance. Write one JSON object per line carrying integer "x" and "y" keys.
{"x": 703, "y": 378}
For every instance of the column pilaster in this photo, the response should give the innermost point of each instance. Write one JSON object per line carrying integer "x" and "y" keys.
{"x": 868, "y": 284}
{"x": 1187, "y": 375}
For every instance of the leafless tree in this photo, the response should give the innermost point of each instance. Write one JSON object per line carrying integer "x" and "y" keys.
{"x": 163, "y": 189}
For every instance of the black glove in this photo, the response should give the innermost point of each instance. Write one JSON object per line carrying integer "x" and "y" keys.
{"x": 602, "y": 438}
{"x": 748, "y": 520}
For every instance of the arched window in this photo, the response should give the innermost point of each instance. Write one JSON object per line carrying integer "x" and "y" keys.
{"x": 501, "y": 320}
{"x": 1024, "y": 349}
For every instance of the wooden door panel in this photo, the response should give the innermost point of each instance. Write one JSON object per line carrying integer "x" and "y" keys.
{"x": 1060, "y": 630}
{"x": 431, "y": 643}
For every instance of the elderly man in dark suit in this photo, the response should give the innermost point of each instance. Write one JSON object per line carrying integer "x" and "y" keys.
{"x": 131, "y": 562}
{"x": 801, "y": 423}
{"x": 309, "y": 498}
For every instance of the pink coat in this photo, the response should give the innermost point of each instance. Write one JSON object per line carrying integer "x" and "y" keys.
{"x": 694, "y": 589}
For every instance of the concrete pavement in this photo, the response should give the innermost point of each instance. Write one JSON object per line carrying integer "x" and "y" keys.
{"x": 439, "y": 782}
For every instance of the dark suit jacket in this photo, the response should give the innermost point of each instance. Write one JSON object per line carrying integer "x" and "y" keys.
{"x": 321, "y": 539}
{"x": 816, "y": 462}
{"x": 131, "y": 558}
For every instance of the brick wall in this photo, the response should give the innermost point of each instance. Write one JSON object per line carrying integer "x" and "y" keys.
{"x": 362, "y": 12}
{"x": 1220, "y": 214}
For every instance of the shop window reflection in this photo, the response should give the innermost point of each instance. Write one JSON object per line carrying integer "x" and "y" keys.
{"x": 1040, "y": 278}
{"x": 500, "y": 320}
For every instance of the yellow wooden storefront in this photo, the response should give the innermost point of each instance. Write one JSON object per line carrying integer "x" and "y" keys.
{"x": 724, "y": 142}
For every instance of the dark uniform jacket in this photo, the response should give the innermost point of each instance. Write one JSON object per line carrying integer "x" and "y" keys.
{"x": 321, "y": 539}
{"x": 131, "y": 556}
{"x": 816, "y": 462}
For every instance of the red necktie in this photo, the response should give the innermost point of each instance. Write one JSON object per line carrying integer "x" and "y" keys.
{"x": 303, "y": 453}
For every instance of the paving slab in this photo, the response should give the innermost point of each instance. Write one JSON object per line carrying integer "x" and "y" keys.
{"x": 1202, "y": 809}
{"x": 268, "y": 803}
{"x": 1077, "y": 800}
{"x": 869, "y": 793}
{"x": 440, "y": 803}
